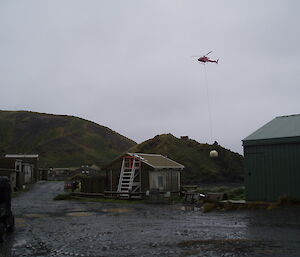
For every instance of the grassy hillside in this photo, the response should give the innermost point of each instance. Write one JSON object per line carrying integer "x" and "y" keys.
{"x": 199, "y": 167}
{"x": 59, "y": 140}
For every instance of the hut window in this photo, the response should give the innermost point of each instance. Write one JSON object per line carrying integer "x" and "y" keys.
{"x": 160, "y": 181}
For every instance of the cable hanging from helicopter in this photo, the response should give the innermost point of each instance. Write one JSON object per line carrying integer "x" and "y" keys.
{"x": 204, "y": 59}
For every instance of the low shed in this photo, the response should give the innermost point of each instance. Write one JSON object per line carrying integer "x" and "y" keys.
{"x": 272, "y": 160}
{"x": 139, "y": 172}
{"x": 31, "y": 170}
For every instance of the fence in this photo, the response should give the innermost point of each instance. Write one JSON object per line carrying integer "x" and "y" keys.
{"x": 93, "y": 185}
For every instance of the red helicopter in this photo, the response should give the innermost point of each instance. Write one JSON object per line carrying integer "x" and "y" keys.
{"x": 205, "y": 59}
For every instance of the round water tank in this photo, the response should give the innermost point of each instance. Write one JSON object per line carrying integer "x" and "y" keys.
{"x": 213, "y": 154}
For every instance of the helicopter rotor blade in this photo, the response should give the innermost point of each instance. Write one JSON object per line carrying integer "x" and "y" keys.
{"x": 208, "y": 53}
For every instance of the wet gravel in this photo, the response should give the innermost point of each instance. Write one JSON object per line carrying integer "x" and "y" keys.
{"x": 90, "y": 229}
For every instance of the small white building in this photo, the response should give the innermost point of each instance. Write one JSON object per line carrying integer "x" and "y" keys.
{"x": 30, "y": 173}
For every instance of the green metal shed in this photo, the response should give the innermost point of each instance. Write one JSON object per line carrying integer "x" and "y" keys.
{"x": 272, "y": 160}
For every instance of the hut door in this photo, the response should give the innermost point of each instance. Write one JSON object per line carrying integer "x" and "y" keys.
{"x": 157, "y": 180}
{"x": 255, "y": 177}
{"x": 161, "y": 181}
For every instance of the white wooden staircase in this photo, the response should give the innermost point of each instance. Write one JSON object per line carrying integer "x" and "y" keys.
{"x": 129, "y": 177}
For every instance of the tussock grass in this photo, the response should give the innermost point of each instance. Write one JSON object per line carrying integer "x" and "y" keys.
{"x": 69, "y": 196}
{"x": 65, "y": 196}
{"x": 232, "y": 193}
{"x": 229, "y": 206}
{"x": 199, "y": 167}
{"x": 207, "y": 207}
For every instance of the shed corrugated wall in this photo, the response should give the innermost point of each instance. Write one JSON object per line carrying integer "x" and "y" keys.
{"x": 272, "y": 171}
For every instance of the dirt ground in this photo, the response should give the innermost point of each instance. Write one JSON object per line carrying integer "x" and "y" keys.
{"x": 88, "y": 229}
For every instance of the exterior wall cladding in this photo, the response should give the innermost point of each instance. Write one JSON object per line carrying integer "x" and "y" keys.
{"x": 272, "y": 171}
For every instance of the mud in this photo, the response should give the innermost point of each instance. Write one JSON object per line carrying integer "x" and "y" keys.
{"x": 117, "y": 210}
{"x": 70, "y": 228}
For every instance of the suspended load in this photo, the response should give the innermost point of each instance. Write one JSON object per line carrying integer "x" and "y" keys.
{"x": 213, "y": 154}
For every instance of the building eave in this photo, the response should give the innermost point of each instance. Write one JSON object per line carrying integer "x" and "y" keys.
{"x": 271, "y": 141}
{"x": 16, "y": 156}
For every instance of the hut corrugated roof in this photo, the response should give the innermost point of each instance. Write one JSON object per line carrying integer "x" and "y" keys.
{"x": 282, "y": 127}
{"x": 157, "y": 161}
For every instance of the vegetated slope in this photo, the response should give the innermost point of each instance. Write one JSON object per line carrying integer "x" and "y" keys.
{"x": 60, "y": 140}
{"x": 199, "y": 167}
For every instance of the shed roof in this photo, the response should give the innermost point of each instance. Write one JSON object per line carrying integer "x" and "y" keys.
{"x": 33, "y": 156}
{"x": 157, "y": 161}
{"x": 282, "y": 127}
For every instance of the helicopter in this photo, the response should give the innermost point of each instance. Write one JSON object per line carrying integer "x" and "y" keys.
{"x": 204, "y": 59}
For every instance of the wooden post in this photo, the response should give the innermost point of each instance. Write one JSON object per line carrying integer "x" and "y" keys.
{"x": 111, "y": 181}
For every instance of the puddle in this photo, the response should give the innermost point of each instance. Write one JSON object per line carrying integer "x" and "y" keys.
{"x": 80, "y": 214}
{"x": 78, "y": 210}
{"x": 19, "y": 223}
{"x": 35, "y": 215}
{"x": 117, "y": 210}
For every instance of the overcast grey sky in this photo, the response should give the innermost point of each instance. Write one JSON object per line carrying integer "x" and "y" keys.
{"x": 127, "y": 64}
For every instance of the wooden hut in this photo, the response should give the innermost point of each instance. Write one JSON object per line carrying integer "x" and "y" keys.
{"x": 138, "y": 173}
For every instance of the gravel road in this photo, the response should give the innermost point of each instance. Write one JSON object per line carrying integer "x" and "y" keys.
{"x": 90, "y": 229}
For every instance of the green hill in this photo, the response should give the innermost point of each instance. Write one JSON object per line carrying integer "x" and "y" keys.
{"x": 199, "y": 167}
{"x": 60, "y": 140}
